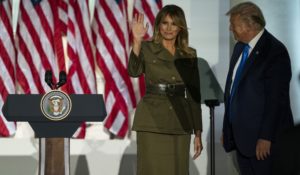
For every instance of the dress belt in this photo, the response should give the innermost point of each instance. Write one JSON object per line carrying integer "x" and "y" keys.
{"x": 167, "y": 89}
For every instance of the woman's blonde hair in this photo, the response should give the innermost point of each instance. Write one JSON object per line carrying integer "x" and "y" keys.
{"x": 177, "y": 14}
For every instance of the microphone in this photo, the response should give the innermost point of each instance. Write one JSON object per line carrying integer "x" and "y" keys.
{"x": 62, "y": 79}
{"x": 48, "y": 78}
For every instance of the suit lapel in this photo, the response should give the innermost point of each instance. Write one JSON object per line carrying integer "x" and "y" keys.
{"x": 161, "y": 52}
{"x": 255, "y": 54}
{"x": 234, "y": 58}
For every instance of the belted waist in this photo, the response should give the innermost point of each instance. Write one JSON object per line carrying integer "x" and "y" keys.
{"x": 167, "y": 89}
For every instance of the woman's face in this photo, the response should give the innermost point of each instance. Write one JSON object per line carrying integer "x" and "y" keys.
{"x": 168, "y": 29}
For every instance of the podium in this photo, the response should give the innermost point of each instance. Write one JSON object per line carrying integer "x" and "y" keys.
{"x": 54, "y": 150}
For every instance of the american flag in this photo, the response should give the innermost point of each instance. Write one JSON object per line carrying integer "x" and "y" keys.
{"x": 39, "y": 32}
{"x": 79, "y": 39}
{"x": 81, "y": 65}
{"x": 7, "y": 64}
{"x": 149, "y": 8}
{"x": 63, "y": 15}
{"x": 39, "y": 45}
{"x": 111, "y": 38}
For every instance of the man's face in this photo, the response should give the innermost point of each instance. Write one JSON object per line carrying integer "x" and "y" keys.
{"x": 238, "y": 28}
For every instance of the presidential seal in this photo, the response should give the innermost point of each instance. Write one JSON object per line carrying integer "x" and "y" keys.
{"x": 56, "y": 105}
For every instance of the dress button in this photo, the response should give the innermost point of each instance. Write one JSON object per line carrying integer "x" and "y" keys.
{"x": 154, "y": 61}
{"x": 170, "y": 107}
{"x": 173, "y": 78}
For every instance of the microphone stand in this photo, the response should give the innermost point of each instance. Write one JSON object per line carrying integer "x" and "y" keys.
{"x": 211, "y": 103}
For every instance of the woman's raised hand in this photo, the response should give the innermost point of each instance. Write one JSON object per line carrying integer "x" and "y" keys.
{"x": 138, "y": 28}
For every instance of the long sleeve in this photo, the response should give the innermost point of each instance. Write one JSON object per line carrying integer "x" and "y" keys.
{"x": 188, "y": 69}
{"x": 135, "y": 65}
{"x": 194, "y": 88}
{"x": 277, "y": 78}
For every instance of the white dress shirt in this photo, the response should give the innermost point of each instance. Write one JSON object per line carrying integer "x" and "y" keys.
{"x": 252, "y": 44}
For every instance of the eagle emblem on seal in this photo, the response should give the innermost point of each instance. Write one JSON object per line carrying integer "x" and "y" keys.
{"x": 56, "y": 105}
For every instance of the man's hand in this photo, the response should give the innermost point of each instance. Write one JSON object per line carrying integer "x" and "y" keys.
{"x": 263, "y": 148}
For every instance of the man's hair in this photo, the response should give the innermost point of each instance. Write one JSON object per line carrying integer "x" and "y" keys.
{"x": 250, "y": 13}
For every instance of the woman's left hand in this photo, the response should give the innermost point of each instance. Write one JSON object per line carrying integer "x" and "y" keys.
{"x": 197, "y": 146}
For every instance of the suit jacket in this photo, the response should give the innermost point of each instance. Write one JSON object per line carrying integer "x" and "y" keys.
{"x": 260, "y": 108}
{"x": 287, "y": 156}
{"x": 161, "y": 113}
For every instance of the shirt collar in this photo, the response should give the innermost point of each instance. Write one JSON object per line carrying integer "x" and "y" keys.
{"x": 253, "y": 42}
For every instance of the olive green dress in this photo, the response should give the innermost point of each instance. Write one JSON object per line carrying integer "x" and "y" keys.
{"x": 164, "y": 124}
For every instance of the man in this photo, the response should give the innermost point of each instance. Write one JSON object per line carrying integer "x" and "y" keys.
{"x": 257, "y": 104}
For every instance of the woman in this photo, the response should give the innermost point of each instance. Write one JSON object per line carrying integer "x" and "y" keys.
{"x": 170, "y": 111}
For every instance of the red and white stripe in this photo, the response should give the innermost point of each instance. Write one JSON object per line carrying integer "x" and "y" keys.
{"x": 7, "y": 65}
{"x": 81, "y": 67}
{"x": 63, "y": 15}
{"x": 111, "y": 38}
{"x": 149, "y": 8}
{"x": 38, "y": 50}
{"x": 79, "y": 39}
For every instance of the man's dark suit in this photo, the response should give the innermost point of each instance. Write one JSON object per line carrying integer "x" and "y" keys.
{"x": 287, "y": 156}
{"x": 260, "y": 107}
